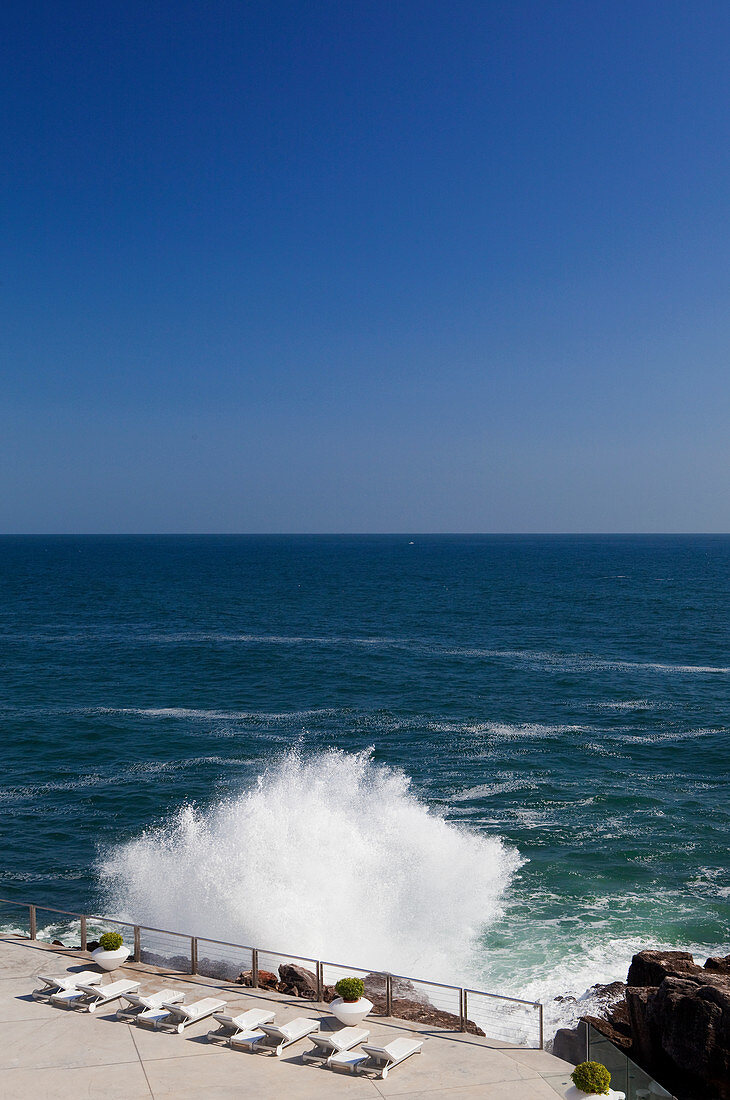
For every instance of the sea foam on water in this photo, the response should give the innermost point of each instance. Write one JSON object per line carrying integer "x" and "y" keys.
{"x": 330, "y": 856}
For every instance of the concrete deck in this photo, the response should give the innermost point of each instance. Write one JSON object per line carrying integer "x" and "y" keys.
{"x": 55, "y": 1053}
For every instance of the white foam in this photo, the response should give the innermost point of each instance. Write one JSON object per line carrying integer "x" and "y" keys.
{"x": 328, "y": 856}
{"x": 205, "y": 715}
{"x": 585, "y": 662}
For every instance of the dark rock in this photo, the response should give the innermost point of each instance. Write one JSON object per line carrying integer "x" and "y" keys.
{"x": 610, "y": 992}
{"x": 92, "y": 945}
{"x": 617, "y": 1014}
{"x": 401, "y": 989}
{"x": 685, "y": 1023}
{"x": 297, "y": 981}
{"x": 427, "y": 1014}
{"x": 570, "y": 1043}
{"x": 617, "y": 1035}
{"x": 266, "y": 979}
{"x": 719, "y": 963}
{"x": 650, "y": 968}
{"x": 642, "y": 1042}
{"x": 57, "y": 943}
{"x": 679, "y": 1028}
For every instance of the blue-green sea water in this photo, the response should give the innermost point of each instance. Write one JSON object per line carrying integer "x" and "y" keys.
{"x": 491, "y": 758}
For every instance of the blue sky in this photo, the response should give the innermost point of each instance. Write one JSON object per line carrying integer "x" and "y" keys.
{"x": 273, "y": 266}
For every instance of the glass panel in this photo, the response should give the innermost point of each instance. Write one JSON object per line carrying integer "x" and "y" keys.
{"x": 625, "y": 1074}
{"x": 602, "y": 1050}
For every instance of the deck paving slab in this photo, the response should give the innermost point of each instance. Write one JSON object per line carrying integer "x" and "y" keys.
{"x": 121, "y": 1082}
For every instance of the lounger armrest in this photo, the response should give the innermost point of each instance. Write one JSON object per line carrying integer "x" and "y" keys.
{"x": 90, "y": 990}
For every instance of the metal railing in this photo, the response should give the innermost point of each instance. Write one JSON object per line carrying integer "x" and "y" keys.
{"x": 625, "y": 1074}
{"x": 510, "y": 1018}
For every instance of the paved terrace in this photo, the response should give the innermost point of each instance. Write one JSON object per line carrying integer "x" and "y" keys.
{"x": 56, "y": 1053}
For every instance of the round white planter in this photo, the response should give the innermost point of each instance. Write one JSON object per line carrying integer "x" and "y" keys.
{"x": 351, "y": 1012}
{"x": 575, "y": 1093}
{"x": 110, "y": 960}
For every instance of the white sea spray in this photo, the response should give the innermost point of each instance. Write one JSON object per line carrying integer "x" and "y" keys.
{"x": 329, "y": 855}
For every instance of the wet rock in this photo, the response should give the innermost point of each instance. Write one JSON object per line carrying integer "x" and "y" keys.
{"x": 570, "y": 1043}
{"x": 610, "y": 992}
{"x": 719, "y": 963}
{"x": 650, "y": 968}
{"x": 674, "y": 1021}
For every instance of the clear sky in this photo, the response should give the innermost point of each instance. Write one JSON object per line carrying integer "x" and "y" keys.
{"x": 365, "y": 266}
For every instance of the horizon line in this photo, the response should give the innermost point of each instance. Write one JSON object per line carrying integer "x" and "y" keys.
{"x": 364, "y": 534}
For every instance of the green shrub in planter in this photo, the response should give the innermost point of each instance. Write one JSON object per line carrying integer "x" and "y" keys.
{"x": 350, "y": 989}
{"x": 110, "y": 941}
{"x": 591, "y": 1077}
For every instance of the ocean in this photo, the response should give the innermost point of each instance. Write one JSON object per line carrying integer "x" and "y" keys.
{"x": 500, "y": 760}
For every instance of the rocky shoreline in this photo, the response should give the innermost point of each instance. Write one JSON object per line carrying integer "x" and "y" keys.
{"x": 407, "y": 1003}
{"x": 671, "y": 1017}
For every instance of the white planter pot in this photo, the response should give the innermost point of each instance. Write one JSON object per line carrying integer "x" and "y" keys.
{"x": 575, "y": 1093}
{"x": 110, "y": 960}
{"x": 351, "y": 1013}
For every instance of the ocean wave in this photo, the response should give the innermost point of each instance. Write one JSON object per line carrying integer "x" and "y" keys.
{"x": 488, "y": 790}
{"x": 581, "y": 662}
{"x": 140, "y": 771}
{"x": 658, "y": 737}
{"x": 539, "y": 659}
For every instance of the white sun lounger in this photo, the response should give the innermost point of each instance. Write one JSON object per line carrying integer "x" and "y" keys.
{"x": 68, "y": 981}
{"x": 327, "y": 1043}
{"x": 180, "y": 1016}
{"x": 277, "y": 1037}
{"x": 147, "y": 1008}
{"x": 370, "y": 1057}
{"x": 229, "y": 1027}
{"x": 91, "y": 997}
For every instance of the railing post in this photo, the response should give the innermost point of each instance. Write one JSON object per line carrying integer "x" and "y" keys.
{"x": 462, "y": 1014}
{"x": 254, "y": 968}
{"x": 193, "y": 954}
{"x": 137, "y": 944}
{"x": 464, "y": 1009}
{"x": 388, "y": 995}
{"x": 83, "y": 933}
{"x": 542, "y": 1026}
{"x": 320, "y": 982}
{"x": 32, "y": 921}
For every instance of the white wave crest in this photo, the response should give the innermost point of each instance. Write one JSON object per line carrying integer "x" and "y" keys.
{"x": 329, "y": 856}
